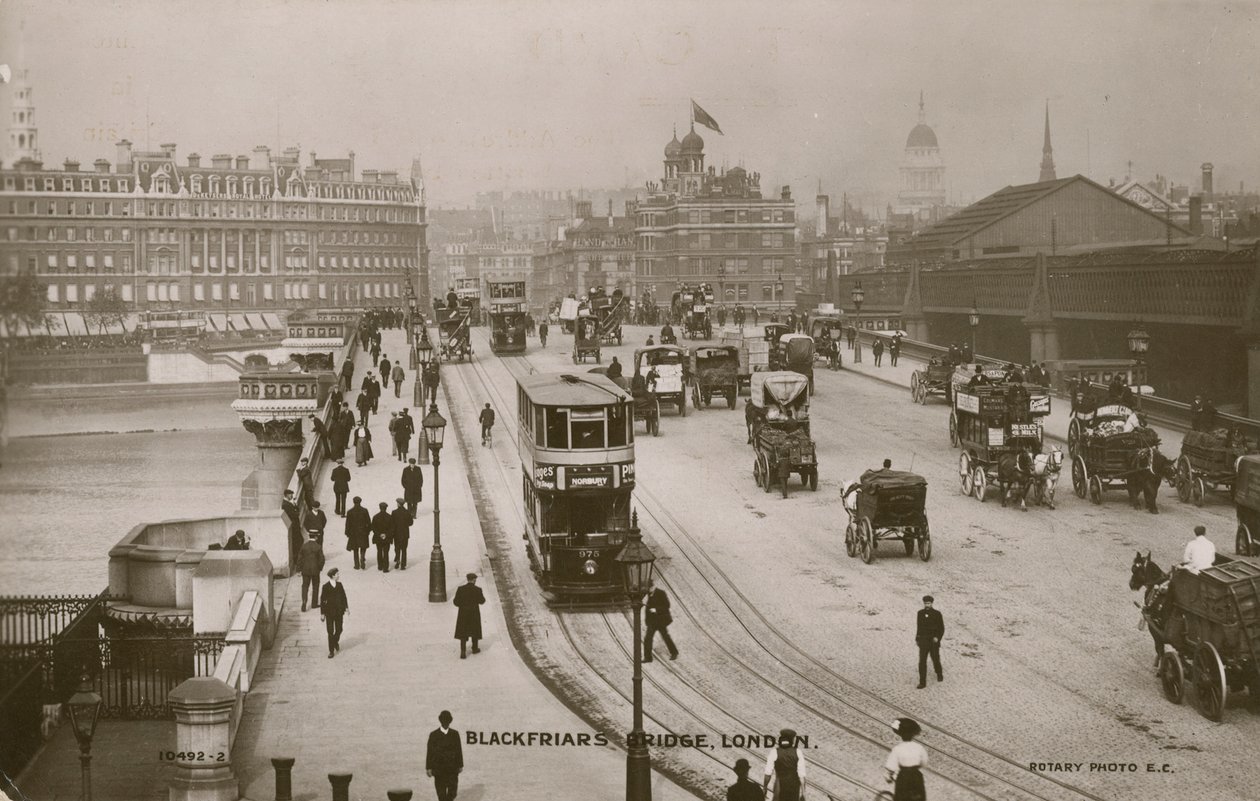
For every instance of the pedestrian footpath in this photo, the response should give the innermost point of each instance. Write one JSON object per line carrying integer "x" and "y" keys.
{"x": 369, "y": 710}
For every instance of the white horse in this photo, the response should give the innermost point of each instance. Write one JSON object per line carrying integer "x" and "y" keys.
{"x": 1046, "y": 468}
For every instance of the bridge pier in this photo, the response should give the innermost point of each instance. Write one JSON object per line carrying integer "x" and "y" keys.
{"x": 1043, "y": 341}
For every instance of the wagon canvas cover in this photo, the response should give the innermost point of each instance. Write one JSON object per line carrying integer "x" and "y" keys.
{"x": 782, "y": 387}
{"x": 1247, "y": 483}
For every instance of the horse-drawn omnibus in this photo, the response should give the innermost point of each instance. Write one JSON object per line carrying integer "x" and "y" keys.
{"x": 577, "y": 465}
{"x": 507, "y": 316}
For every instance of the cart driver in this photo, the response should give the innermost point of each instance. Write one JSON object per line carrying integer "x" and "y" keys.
{"x": 1200, "y": 552}
{"x": 848, "y": 496}
{"x": 667, "y": 334}
{"x": 978, "y": 377}
{"x": 452, "y": 300}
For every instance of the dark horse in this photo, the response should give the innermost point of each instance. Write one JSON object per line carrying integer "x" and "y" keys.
{"x": 1015, "y": 472}
{"x": 1146, "y": 575}
{"x": 1150, "y": 467}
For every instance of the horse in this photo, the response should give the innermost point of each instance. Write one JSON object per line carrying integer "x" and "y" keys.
{"x": 1144, "y": 574}
{"x": 752, "y": 420}
{"x": 1015, "y": 471}
{"x": 1045, "y": 476}
{"x": 1149, "y": 468}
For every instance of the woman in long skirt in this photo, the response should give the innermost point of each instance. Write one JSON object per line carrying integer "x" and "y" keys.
{"x": 905, "y": 763}
{"x": 362, "y": 445}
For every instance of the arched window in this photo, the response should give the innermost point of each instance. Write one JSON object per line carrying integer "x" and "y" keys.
{"x": 214, "y": 184}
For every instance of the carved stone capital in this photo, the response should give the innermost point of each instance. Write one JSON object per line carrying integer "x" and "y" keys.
{"x": 275, "y": 433}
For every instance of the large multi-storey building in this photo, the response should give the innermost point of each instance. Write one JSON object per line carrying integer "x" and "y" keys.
{"x": 838, "y": 248}
{"x": 471, "y": 265}
{"x": 697, "y": 226}
{"x": 260, "y": 232}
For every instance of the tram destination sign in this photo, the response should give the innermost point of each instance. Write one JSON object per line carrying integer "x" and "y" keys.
{"x": 592, "y": 476}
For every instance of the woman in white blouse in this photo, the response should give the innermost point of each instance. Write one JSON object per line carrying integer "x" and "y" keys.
{"x": 905, "y": 763}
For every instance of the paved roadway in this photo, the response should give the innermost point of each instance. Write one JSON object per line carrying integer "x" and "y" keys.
{"x": 1043, "y": 658}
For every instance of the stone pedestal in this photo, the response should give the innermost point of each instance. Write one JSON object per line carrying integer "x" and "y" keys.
{"x": 203, "y": 727}
{"x": 916, "y": 329}
{"x": 221, "y": 579}
{"x": 1043, "y": 342}
{"x": 271, "y": 406}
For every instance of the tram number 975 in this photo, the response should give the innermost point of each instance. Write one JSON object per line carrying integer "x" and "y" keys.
{"x": 585, "y": 554}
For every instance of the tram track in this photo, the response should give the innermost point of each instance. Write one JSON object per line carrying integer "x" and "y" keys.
{"x": 981, "y": 771}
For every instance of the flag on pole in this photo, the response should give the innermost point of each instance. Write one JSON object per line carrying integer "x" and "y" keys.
{"x": 701, "y": 116}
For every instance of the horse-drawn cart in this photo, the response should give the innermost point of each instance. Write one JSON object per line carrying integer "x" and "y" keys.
{"x": 586, "y": 339}
{"x": 1247, "y": 506}
{"x": 714, "y": 373}
{"x": 934, "y": 379}
{"x": 777, "y": 416}
{"x": 1109, "y": 449}
{"x": 670, "y": 382}
{"x": 1207, "y": 461}
{"x": 891, "y": 505}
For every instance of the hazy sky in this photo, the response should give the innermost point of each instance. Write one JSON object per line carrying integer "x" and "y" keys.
{"x": 567, "y": 94}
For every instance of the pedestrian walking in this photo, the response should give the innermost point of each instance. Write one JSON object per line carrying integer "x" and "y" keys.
{"x": 786, "y": 766}
{"x": 315, "y": 522}
{"x": 333, "y": 609}
{"x": 320, "y": 432}
{"x": 413, "y": 485}
{"x": 305, "y": 484}
{"x": 877, "y": 350}
{"x": 376, "y": 350}
{"x": 341, "y": 486}
{"x": 347, "y": 375}
{"x": 382, "y": 534}
{"x": 658, "y": 620}
{"x": 929, "y": 629}
{"x": 894, "y": 350}
{"x": 905, "y": 763}
{"x": 386, "y": 365}
{"x": 744, "y": 788}
{"x": 364, "y": 404}
{"x": 402, "y": 533}
{"x": 338, "y": 433}
{"x": 432, "y": 381}
{"x": 543, "y": 328}
{"x": 444, "y": 758}
{"x": 397, "y": 375}
{"x": 362, "y": 445}
{"x": 393, "y": 427}
{"x": 486, "y": 418}
{"x": 374, "y": 391}
{"x": 402, "y": 435}
{"x": 310, "y": 563}
{"x": 358, "y": 533}
{"x": 347, "y": 428}
{"x": 468, "y": 599}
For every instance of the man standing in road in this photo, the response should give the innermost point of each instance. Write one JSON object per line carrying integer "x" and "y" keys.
{"x": 413, "y": 485}
{"x": 468, "y": 599}
{"x": 358, "y": 533}
{"x": 929, "y": 629}
{"x": 894, "y": 350}
{"x": 444, "y": 758}
{"x": 658, "y": 620}
{"x": 542, "y": 332}
{"x": 402, "y": 534}
{"x": 341, "y": 485}
{"x": 310, "y": 564}
{"x": 486, "y": 418}
{"x": 877, "y": 350}
{"x": 382, "y": 533}
{"x": 385, "y": 366}
{"x": 333, "y": 609}
{"x": 397, "y": 375}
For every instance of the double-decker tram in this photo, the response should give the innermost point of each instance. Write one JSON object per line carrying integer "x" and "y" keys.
{"x": 507, "y": 316}
{"x": 577, "y": 465}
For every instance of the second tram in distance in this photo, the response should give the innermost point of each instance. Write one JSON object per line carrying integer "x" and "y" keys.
{"x": 577, "y": 466}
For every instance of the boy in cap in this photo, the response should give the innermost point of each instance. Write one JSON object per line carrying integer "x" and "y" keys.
{"x": 929, "y": 629}
{"x": 332, "y": 608}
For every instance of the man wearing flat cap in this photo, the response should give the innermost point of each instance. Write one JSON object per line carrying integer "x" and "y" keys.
{"x": 468, "y": 599}
{"x": 786, "y": 765}
{"x": 333, "y": 606}
{"x": 402, "y": 533}
{"x": 929, "y": 629}
{"x": 744, "y": 788}
{"x": 1200, "y": 552}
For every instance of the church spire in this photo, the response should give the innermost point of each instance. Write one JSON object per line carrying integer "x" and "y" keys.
{"x": 922, "y": 113}
{"x": 1047, "y": 152}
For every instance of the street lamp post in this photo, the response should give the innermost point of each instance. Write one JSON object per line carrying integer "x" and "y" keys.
{"x": 973, "y": 320}
{"x": 85, "y": 711}
{"x": 1139, "y": 343}
{"x": 435, "y": 425}
{"x": 857, "y": 295}
{"x": 636, "y": 560}
{"x": 411, "y": 320}
{"x": 424, "y": 354}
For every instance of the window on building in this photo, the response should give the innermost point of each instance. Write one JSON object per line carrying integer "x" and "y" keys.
{"x": 126, "y": 262}
{"x": 199, "y": 292}
{"x": 72, "y": 264}
{"x": 323, "y": 291}
{"x": 54, "y": 294}
{"x": 89, "y": 292}
{"x": 216, "y": 292}
{"x": 127, "y": 292}
{"x": 234, "y": 291}
{"x": 268, "y": 292}
{"x": 89, "y": 263}
{"x": 163, "y": 292}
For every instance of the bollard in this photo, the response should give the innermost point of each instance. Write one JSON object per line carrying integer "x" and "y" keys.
{"x": 284, "y": 777}
{"x": 398, "y": 795}
{"x": 340, "y": 785}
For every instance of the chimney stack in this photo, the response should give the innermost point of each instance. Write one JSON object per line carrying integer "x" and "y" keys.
{"x": 1196, "y": 215}
{"x": 102, "y": 165}
{"x": 168, "y": 150}
{"x": 824, "y": 211}
{"x": 583, "y": 210}
{"x": 71, "y": 165}
{"x": 242, "y": 162}
{"x": 123, "y": 162}
{"x": 262, "y": 155}
{"x": 221, "y": 161}
{"x": 1207, "y": 181}
{"x": 194, "y": 160}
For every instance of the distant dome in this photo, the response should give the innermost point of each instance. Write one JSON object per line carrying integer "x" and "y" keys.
{"x": 692, "y": 143}
{"x": 673, "y": 148}
{"x": 921, "y": 136}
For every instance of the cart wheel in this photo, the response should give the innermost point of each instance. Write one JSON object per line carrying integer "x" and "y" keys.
{"x": 1242, "y": 540}
{"x": 765, "y": 473}
{"x": 1172, "y": 678}
{"x": 850, "y": 539}
{"x": 980, "y": 482}
{"x": 813, "y": 479}
{"x": 757, "y": 471}
{"x": 1183, "y": 489}
{"x": 953, "y": 429}
{"x": 1074, "y": 437}
{"x": 1197, "y": 491}
{"x": 914, "y": 385}
{"x": 925, "y": 544}
{"x": 921, "y": 395}
{"x": 695, "y": 397}
{"x": 1095, "y": 490}
{"x": 654, "y": 426}
{"x": 1184, "y": 474}
{"x": 866, "y": 540}
{"x": 1080, "y": 477}
{"x": 1210, "y": 687}
{"x": 964, "y": 471}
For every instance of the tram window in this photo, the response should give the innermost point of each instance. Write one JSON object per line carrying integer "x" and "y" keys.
{"x": 617, "y": 427}
{"x": 558, "y": 428}
{"x": 539, "y": 426}
{"x": 588, "y": 428}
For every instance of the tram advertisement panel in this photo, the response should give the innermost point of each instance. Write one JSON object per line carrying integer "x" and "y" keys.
{"x": 595, "y": 476}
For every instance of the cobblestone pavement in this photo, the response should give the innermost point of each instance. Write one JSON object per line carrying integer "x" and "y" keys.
{"x": 1044, "y": 661}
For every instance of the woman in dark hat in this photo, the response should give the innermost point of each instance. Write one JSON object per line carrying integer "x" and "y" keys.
{"x": 905, "y": 762}
{"x": 744, "y": 789}
{"x": 787, "y": 765}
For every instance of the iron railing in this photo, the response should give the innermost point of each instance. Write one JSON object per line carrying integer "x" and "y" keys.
{"x": 36, "y": 618}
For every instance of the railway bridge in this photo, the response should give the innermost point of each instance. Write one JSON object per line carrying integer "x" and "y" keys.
{"x": 1201, "y": 308}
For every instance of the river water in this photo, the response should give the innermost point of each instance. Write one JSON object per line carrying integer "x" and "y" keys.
{"x": 66, "y": 500}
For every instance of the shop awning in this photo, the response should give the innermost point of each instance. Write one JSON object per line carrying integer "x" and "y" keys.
{"x": 76, "y": 326}
{"x": 273, "y": 321}
{"x": 218, "y": 321}
{"x": 239, "y": 323}
{"x": 256, "y": 321}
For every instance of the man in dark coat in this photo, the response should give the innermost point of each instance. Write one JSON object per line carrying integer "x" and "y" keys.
{"x": 290, "y": 509}
{"x": 894, "y": 350}
{"x": 468, "y": 598}
{"x": 382, "y": 535}
{"x": 315, "y": 522}
{"x": 878, "y": 350}
{"x": 402, "y": 534}
{"x": 402, "y": 434}
{"x": 237, "y": 542}
{"x": 929, "y": 629}
{"x": 347, "y": 375}
{"x": 658, "y": 620}
{"x": 320, "y": 432}
{"x": 332, "y": 609}
{"x": 364, "y": 404}
{"x": 413, "y": 485}
{"x": 310, "y": 564}
{"x": 744, "y": 789}
{"x": 341, "y": 485}
{"x": 358, "y": 533}
{"x": 385, "y": 366}
{"x": 373, "y": 391}
{"x": 432, "y": 379}
{"x": 543, "y": 330}
{"x": 305, "y": 482}
{"x": 444, "y": 758}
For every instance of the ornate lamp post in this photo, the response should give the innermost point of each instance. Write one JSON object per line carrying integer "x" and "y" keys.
{"x": 411, "y": 320}
{"x": 1139, "y": 343}
{"x": 636, "y": 560}
{"x": 857, "y": 295}
{"x": 435, "y": 426}
{"x": 973, "y": 320}
{"x": 85, "y": 711}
